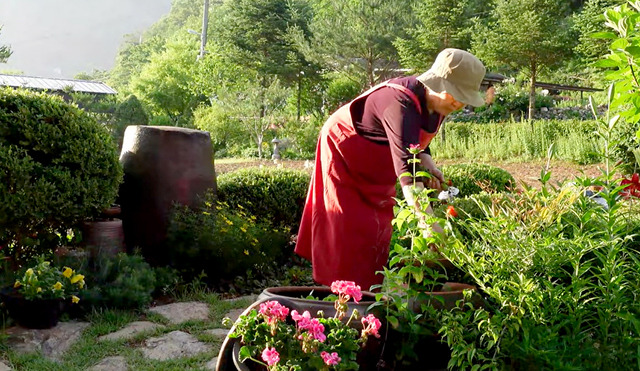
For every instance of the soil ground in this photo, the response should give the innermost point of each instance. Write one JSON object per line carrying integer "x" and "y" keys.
{"x": 527, "y": 172}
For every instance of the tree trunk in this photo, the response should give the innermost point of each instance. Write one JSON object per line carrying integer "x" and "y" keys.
{"x": 532, "y": 92}
{"x": 259, "y": 139}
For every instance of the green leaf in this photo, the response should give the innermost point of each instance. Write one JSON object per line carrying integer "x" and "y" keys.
{"x": 424, "y": 174}
{"x": 605, "y": 63}
{"x": 418, "y": 275}
{"x": 611, "y": 93}
{"x": 633, "y": 50}
{"x": 244, "y": 354}
{"x": 404, "y": 175}
{"x": 613, "y": 121}
{"x": 393, "y": 321}
{"x": 603, "y": 35}
{"x": 620, "y": 44}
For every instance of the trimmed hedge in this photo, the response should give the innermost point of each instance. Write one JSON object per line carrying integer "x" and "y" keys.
{"x": 475, "y": 178}
{"x": 58, "y": 166}
{"x": 273, "y": 195}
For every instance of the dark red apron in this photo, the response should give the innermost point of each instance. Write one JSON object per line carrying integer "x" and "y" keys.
{"x": 346, "y": 223}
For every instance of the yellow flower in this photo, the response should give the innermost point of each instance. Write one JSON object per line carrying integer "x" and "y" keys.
{"x": 77, "y": 278}
{"x": 17, "y": 284}
{"x": 75, "y": 299}
{"x": 246, "y": 252}
{"x": 29, "y": 272}
{"x": 81, "y": 284}
{"x": 57, "y": 286}
{"x": 228, "y": 221}
{"x": 39, "y": 289}
{"x": 67, "y": 272}
{"x": 243, "y": 229}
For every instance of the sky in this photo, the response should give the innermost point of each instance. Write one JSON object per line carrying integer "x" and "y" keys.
{"x": 60, "y": 38}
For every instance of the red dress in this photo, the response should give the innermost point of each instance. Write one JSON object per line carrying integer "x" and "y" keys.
{"x": 346, "y": 223}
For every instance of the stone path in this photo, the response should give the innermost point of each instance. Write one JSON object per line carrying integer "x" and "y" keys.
{"x": 156, "y": 345}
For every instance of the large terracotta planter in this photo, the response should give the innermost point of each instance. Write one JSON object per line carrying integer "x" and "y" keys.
{"x": 33, "y": 314}
{"x": 294, "y": 298}
{"x": 163, "y": 166}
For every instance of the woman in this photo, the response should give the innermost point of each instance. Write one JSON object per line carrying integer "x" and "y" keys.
{"x": 346, "y": 224}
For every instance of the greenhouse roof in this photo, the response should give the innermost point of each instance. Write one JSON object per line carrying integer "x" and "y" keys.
{"x": 55, "y": 84}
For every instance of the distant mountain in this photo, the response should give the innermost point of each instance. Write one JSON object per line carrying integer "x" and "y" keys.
{"x": 60, "y": 38}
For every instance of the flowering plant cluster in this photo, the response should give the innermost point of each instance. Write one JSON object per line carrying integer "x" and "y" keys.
{"x": 44, "y": 281}
{"x": 632, "y": 188}
{"x": 284, "y": 339}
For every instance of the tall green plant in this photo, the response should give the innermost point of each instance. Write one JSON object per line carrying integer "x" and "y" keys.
{"x": 560, "y": 273}
{"x": 623, "y": 64}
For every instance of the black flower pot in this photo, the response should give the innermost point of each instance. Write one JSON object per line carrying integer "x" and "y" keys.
{"x": 294, "y": 297}
{"x": 33, "y": 314}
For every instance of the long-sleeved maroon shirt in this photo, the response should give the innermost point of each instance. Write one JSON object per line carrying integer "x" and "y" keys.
{"x": 388, "y": 116}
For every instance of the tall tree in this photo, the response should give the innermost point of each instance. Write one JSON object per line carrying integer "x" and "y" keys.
{"x": 589, "y": 21}
{"x": 528, "y": 35}
{"x": 441, "y": 24}
{"x": 254, "y": 108}
{"x": 5, "y": 52}
{"x": 257, "y": 31}
{"x": 131, "y": 59}
{"x": 165, "y": 83}
{"x": 357, "y": 36}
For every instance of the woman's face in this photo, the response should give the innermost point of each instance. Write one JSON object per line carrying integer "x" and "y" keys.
{"x": 444, "y": 103}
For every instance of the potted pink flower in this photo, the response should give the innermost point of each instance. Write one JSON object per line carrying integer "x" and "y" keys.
{"x": 274, "y": 336}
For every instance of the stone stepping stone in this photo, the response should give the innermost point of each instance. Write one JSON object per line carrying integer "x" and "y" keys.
{"x": 131, "y": 330}
{"x": 176, "y": 344}
{"x": 219, "y": 332}
{"x": 250, "y": 298}
{"x": 111, "y": 364}
{"x": 177, "y": 313}
{"x": 4, "y": 367}
{"x": 211, "y": 365}
{"x": 51, "y": 342}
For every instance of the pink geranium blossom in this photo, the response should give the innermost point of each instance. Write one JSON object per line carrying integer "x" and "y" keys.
{"x": 330, "y": 359}
{"x": 271, "y": 356}
{"x": 273, "y": 311}
{"x": 347, "y": 290}
{"x": 312, "y": 325}
{"x": 370, "y": 326}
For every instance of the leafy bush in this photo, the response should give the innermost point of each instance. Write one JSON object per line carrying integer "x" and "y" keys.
{"x": 125, "y": 281}
{"x": 340, "y": 91}
{"x": 273, "y": 195}
{"x": 222, "y": 242}
{"x": 475, "y": 178}
{"x": 58, "y": 166}
{"x": 561, "y": 280}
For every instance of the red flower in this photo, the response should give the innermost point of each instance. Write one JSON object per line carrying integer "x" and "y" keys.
{"x": 451, "y": 212}
{"x": 632, "y": 186}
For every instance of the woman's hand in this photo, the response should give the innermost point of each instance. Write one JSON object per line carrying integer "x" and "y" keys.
{"x": 437, "y": 178}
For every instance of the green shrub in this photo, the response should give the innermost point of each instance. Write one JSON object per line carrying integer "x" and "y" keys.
{"x": 125, "y": 281}
{"x": 273, "y": 195}
{"x": 58, "y": 166}
{"x": 222, "y": 242}
{"x": 475, "y": 178}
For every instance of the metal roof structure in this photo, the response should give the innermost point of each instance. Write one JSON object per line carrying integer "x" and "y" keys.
{"x": 55, "y": 84}
{"x": 492, "y": 78}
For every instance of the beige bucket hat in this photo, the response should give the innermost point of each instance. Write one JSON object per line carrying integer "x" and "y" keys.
{"x": 457, "y": 72}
